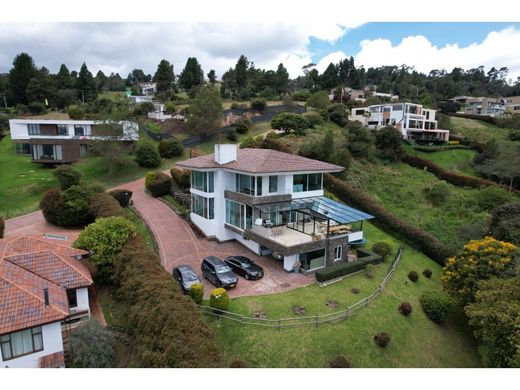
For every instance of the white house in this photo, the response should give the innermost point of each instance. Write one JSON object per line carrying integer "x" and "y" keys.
{"x": 273, "y": 203}
{"x": 54, "y": 141}
{"x": 416, "y": 124}
{"x": 43, "y": 285}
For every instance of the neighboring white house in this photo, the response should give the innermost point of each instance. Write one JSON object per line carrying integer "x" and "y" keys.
{"x": 147, "y": 87}
{"x": 416, "y": 124}
{"x": 54, "y": 141}
{"x": 273, "y": 203}
{"x": 136, "y": 99}
{"x": 43, "y": 284}
{"x": 159, "y": 113}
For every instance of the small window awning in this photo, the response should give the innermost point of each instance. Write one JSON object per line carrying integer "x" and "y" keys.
{"x": 321, "y": 205}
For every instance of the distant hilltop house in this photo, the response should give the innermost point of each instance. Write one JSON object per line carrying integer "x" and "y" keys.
{"x": 136, "y": 99}
{"x": 43, "y": 292}
{"x": 416, "y": 123}
{"x": 159, "y": 113}
{"x": 512, "y": 104}
{"x": 56, "y": 139}
{"x": 361, "y": 95}
{"x": 489, "y": 106}
{"x": 147, "y": 88}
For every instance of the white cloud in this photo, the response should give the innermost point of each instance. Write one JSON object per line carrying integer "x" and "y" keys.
{"x": 497, "y": 49}
{"x": 335, "y": 57}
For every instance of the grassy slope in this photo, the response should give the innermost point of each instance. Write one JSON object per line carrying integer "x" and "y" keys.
{"x": 416, "y": 341}
{"x": 478, "y": 130}
{"x": 456, "y": 160}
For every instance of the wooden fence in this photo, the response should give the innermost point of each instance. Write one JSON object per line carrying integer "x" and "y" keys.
{"x": 315, "y": 320}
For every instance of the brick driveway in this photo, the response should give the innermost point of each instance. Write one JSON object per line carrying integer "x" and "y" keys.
{"x": 179, "y": 245}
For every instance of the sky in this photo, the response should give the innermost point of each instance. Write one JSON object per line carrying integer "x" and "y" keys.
{"x": 121, "y": 47}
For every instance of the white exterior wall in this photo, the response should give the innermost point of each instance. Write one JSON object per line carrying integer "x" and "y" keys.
{"x": 289, "y": 261}
{"x": 82, "y": 299}
{"x": 52, "y": 342}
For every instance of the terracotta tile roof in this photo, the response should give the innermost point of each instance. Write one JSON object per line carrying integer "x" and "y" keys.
{"x": 54, "y": 360}
{"x": 22, "y": 303}
{"x": 262, "y": 161}
{"x": 27, "y": 244}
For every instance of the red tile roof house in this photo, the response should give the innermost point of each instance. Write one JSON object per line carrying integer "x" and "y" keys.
{"x": 272, "y": 203}
{"x": 43, "y": 284}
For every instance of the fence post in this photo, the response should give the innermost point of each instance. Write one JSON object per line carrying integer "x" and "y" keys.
{"x": 317, "y": 320}
{"x": 279, "y": 324}
{"x": 346, "y": 313}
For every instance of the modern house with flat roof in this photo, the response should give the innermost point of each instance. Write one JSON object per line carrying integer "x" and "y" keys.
{"x": 416, "y": 123}
{"x": 273, "y": 203}
{"x": 43, "y": 286}
{"x": 57, "y": 139}
{"x": 512, "y": 104}
{"x": 484, "y": 106}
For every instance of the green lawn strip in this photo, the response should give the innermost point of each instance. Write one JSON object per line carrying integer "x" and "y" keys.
{"x": 478, "y": 130}
{"x": 180, "y": 208}
{"x": 153, "y": 127}
{"x": 456, "y": 160}
{"x": 415, "y": 341}
{"x": 141, "y": 227}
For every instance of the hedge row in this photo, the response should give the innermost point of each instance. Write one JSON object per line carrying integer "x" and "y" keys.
{"x": 181, "y": 177}
{"x": 413, "y": 235}
{"x": 104, "y": 205}
{"x": 123, "y": 196}
{"x": 451, "y": 177}
{"x": 364, "y": 257}
{"x": 158, "y": 183}
{"x": 168, "y": 326}
{"x": 432, "y": 149}
{"x": 2, "y": 227}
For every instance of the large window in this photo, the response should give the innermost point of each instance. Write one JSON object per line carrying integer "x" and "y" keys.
{"x": 203, "y": 181}
{"x": 205, "y": 207}
{"x": 273, "y": 184}
{"x": 46, "y": 152}
{"x": 312, "y": 260}
{"x": 259, "y": 186}
{"x": 245, "y": 184}
{"x": 33, "y": 129}
{"x": 79, "y": 130}
{"x": 21, "y": 343}
{"x": 307, "y": 182}
{"x": 63, "y": 130}
{"x": 239, "y": 215}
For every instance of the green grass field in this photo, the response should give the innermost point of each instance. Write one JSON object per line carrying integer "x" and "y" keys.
{"x": 456, "y": 160}
{"x": 415, "y": 341}
{"x": 258, "y": 129}
{"x": 478, "y": 130}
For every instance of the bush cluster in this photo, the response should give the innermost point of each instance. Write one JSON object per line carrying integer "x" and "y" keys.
{"x": 181, "y": 177}
{"x": 92, "y": 346}
{"x": 243, "y": 126}
{"x": 67, "y": 176}
{"x": 104, "y": 205}
{"x": 382, "y": 339}
{"x": 147, "y": 155}
{"x": 383, "y": 249}
{"x": 405, "y": 308}
{"x": 69, "y": 208}
{"x": 340, "y": 361}
{"x": 219, "y": 299}
{"x": 413, "y": 276}
{"x": 196, "y": 292}
{"x": 258, "y": 104}
{"x": 437, "y": 193}
{"x": 436, "y": 305}
{"x": 232, "y": 135}
{"x": 336, "y": 271}
{"x": 122, "y": 196}
{"x": 170, "y": 148}
{"x": 157, "y": 307}
{"x": 158, "y": 183}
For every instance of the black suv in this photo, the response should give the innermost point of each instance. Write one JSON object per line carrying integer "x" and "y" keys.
{"x": 218, "y": 272}
{"x": 245, "y": 267}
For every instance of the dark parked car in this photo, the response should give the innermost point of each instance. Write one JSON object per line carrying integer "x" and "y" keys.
{"x": 218, "y": 272}
{"x": 245, "y": 267}
{"x": 186, "y": 277}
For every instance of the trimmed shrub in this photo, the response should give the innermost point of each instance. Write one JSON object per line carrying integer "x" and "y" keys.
{"x": 92, "y": 346}
{"x": 158, "y": 183}
{"x": 170, "y": 148}
{"x": 69, "y": 208}
{"x": 383, "y": 249}
{"x": 382, "y": 339}
{"x": 75, "y": 112}
{"x": 122, "y": 196}
{"x": 436, "y": 305}
{"x": 156, "y": 306}
{"x": 146, "y": 155}
{"x": 169, "y": 107}
{"x": 219, "y": 299}
{"x": 181, "y": 177}
{"x": 67, "y": 176}
{"x": 238, "y": 364}
{"x": 427, "y": 273}
{"x": 104, "y": 205}
{"x": 405, "y": 308}
{"x": 437, "y": 193}
{"x": 314, "y": 118}
{"x": 413, "y": 276}
{"x": 95, "y": 187}
{"x": 343, "y": 269}
{"x": 243, "y": 126}
{"x": 340, "y": 361}
{"x": 196, "y": 292}
{"x": 232, "y": 135}
{"x": 258, "y": 104}
{"x": 2, "y": 227}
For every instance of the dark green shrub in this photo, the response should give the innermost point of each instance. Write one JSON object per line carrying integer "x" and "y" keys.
{"x": 389, "y": 143}
{"x": 104, "y": 205}
{"x": 147, "y": 155}
{"x": 427, "y": 273}
{"x": 369, "y": 271}
{"x": 243, "y": 126}
{"x": 67, "y": 176}
{"x": 413, "y": 276}
{"x": 288, "y": 121}
{"x": 436, "y": 305}
{"x": 158, "y": 183}
{"x": 92, "y": 346}
{"x": 383, "y": 249}
{"x": 505, "y": 222}
{"x": 514, "y": 135}
{"x": 196, "y": 292}
{"x": 232, "y": 135}
{"x": 248, "y": 142}
{"x": 490, "y": 197}
{"x": 258, "y": 104}
{"x": 122, "y": 196}
{"x": 301, "y": 96}
{"x": 142, "y": 109}
{"x": 95, "y": 187}
{"x": 36, "y": 108}
{"x": 181, "y": 177}
{"x": 314, "y": 118}
{"x": 364, "y": 257}
{"x": 340, "y": 361}
{"x": 2, "y": 227}
{"x": 319, "y": 100}
{"x": 238, "y": 364}
{"x": 437, "y": 193}
{"x": 405, "y": 308}
{"x": 69, "y": 208}
{"x": 382, "y": 339}
{"x": 76, "y": 112}
{"x": 338, "y": 114}
{"x": 219, "y": 299}
{"x": 170, "y": 148}
{"x": 311, "y": 150}
{"x": 169, "y": 107}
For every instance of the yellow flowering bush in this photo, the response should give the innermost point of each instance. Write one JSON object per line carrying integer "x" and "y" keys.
{"x": 480, "y": 260}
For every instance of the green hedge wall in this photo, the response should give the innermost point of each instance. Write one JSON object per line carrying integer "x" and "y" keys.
{"x": 364, "y": 257}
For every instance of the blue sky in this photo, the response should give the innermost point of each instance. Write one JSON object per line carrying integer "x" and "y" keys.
{"x": 438, "y": 33}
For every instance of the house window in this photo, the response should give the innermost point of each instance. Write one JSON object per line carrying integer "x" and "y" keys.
{"x": 21, "y": 343}
{"x": 338, "y": 252}
{"x": 273, "y": 184}
{"x": 245, "y": 184}
{"x": 312, "y": 260}
{"x": 204, "y": 207}
{"x": 63, "y": 130}
{"x": 23, "y": 148}
{"x": 307, "y": 182}
{"x": 203, "y": 181}
{"x": 72, "y": 297}
{"x": 33, "y": 129}
{"x": 46, "y": 152}
{"x": 259, "y": 186}
{"x": 79, "y": 130}
{"x": 239, "y": 215}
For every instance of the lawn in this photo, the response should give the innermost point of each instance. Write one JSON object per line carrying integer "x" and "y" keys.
{"x": 456, "y": 160}
{"x": 415, "y": 341}
{"x": 477, "y": 130}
